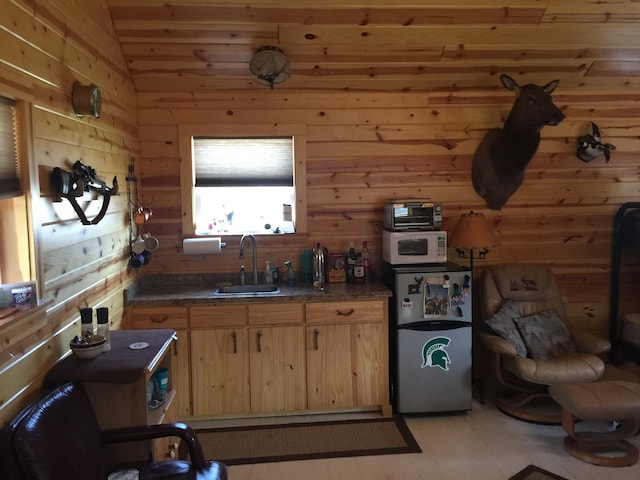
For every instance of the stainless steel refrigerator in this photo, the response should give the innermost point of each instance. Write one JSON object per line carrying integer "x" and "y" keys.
{"x": 430, "y": 337}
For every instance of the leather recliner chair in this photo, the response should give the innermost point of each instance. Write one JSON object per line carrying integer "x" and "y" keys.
{"x": 524, "y": 327}
{"x": 57, "y": 437}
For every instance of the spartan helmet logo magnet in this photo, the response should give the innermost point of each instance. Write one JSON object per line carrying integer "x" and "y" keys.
{"x": 434, "y": 353}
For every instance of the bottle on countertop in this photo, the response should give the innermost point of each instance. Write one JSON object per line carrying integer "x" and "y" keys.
{"x": 103, "y": 326}
{"x": 268, "y": 279}
{"x": 242, "y": 275}
{"x": 366, "y": 261}
{"x": 86, "y": 320}
{"x": 352, "y": 256}
{"x": 291, "y": 275}
{"x": 305, "y": 265}
{"x": 358, "y": 269}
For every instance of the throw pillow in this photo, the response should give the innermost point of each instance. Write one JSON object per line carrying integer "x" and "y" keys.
{"x": 502, "y": 324}
{"x": 545, "y": 335}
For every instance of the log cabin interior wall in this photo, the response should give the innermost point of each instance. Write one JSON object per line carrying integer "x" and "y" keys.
{"x": 394, "y": 101}
{"x": 45, "y": 46}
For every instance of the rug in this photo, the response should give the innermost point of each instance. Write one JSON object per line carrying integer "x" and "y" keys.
{"x": 303, "y": 441}
{"x": 531, "y": 472}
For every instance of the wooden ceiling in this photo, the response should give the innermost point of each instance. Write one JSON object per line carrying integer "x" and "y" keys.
{"x": 206, "y": 45}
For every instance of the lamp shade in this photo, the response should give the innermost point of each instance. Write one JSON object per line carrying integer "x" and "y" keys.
{"x": 473, "y": 232}
{"x": 270, "y": 65}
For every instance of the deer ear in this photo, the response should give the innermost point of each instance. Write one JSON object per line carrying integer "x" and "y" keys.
{"x": 510, "y": 83}
{"x": 551, "y": 86}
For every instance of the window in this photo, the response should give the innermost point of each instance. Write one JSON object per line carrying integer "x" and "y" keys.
{"x": 237, "y": 184}
{"x": 16, "y": 247}
{"x": 9, "y": 181}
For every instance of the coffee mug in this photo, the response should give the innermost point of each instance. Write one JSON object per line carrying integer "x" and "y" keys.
{"x": 151, "y": 243}
{"x": 136, "y": 260}
{"x": 138, "y": 245}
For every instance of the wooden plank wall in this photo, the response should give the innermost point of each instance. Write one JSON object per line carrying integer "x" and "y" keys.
{"x": 45, "y": 46}
{"x": 364, "y": 148}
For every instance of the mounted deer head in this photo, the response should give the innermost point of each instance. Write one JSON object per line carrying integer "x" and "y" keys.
{"x": 500, "y": 160}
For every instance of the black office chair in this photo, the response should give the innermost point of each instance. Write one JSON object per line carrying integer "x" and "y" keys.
{"x": 57, "y": 437}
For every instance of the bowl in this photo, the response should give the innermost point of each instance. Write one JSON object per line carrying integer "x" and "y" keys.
{"x": 88, "y": 341}
{"x": 86, "y": 353}
{"x": 87, "y": 347}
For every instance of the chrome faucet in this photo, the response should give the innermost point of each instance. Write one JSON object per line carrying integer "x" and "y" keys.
{"x": 254, "y": 262}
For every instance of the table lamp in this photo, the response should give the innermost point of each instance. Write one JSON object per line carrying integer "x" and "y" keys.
{"x": 473, "y": 232}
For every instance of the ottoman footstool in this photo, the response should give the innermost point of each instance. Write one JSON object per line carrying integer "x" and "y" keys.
{"x": 605, "y": 400}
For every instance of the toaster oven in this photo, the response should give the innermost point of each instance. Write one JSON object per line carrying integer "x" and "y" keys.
{"x": 403, "y": 215}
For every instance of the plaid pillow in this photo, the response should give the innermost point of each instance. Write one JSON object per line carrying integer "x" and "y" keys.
{"x": 545, "y": 335}
{"x": 502, "y": 324}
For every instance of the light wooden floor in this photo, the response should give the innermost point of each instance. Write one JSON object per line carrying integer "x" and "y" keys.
{"x": 483, "y": 444}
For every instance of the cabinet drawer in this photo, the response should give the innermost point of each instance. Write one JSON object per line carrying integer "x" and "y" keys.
{"x": 159, "y": 317}
{"x": 275, "y": 313}
{"x": 348, "y": 311}
{"x": 212, "y": 316}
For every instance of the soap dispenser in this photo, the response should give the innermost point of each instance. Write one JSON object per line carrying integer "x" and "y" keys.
{"x": 268, "y": 279}
{"x": 291, "y": 275}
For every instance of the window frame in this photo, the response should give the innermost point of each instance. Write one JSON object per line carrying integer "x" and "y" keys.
{"x": 21, "y": 262}
{"x": 187, "y": 168}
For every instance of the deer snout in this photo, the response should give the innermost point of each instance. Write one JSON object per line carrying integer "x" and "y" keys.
{"x": 556, "y": 117}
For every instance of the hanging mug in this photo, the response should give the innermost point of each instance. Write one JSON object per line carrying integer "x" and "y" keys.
{"x": 142, "y": 215}
{"x": 136, "y": 260}
{"x": 138, "y": 245}
{"x": 151, "y": 243}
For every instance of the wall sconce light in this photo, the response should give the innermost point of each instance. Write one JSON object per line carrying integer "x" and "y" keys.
{"x": 86, "y": 99}
{"x": 473, "y": 232}
{"x": 270, "y": 65}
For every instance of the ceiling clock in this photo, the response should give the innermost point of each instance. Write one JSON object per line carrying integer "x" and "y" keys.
{"x": 86, "y": 99}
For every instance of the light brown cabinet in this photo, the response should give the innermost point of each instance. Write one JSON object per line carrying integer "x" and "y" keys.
{"x": 276, "y": 357}
{"x": 143, "y": 318}
{"x": 347, "y": 355}
{"x": 277, "y": 364}
{"x": 220, "y": 360}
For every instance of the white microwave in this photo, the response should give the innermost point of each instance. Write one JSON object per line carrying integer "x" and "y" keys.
{"x": 414, "y": 247}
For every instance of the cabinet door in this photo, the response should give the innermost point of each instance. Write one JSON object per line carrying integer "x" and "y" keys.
{"x": 220, "y": 363}
{"x": 370, "y": 365}
{"x": 181, "y": 374}
{"x": 277, "y": 369}
{"x": 329, "y": 379}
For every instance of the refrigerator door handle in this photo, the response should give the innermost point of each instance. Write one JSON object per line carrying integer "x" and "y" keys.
{"x": 434, "y": 325}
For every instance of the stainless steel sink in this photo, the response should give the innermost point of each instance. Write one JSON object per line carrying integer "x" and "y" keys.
{"x": 247, "y": 289}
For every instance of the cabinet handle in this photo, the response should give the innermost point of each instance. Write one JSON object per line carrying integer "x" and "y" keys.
{"x": 175, "y": 343}
{"x": 162, "y": 319}
{"x": 258, "y": 335}
{"x": 235, "y": 342}
{"x": 344, "y": 314}
{"x": 316, "y": 333}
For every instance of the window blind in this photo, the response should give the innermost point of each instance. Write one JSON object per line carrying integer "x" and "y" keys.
{"x": 243, "y": 162}
{"x": 9, "y": 180}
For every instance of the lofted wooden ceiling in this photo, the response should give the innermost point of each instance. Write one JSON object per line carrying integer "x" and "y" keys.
{"x": 376, "y": 45}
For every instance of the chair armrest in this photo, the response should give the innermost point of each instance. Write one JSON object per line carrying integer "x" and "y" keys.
{"x": 497, "y": 344}
{"x": 589, "y": 343}
{"x": 150, "y": 432}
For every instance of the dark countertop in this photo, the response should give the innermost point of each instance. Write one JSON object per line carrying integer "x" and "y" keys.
{"x": 160, "y": 290}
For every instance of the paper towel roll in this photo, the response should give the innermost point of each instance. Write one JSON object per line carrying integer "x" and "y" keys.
{"x": 202, "y": 246}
